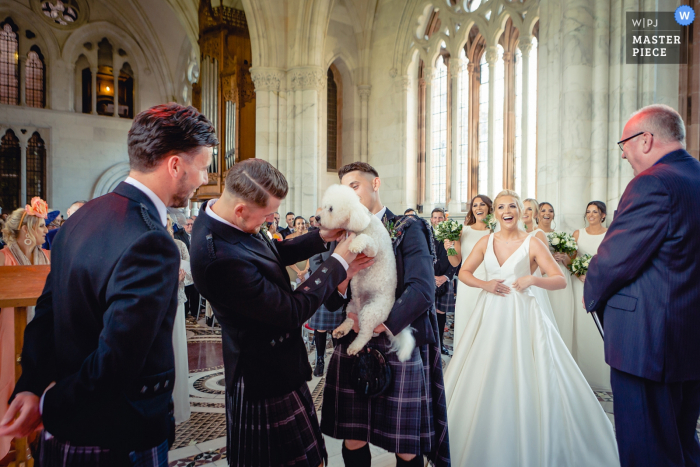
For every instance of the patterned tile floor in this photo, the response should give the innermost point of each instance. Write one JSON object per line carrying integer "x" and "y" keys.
{"x": 202, "y": 439}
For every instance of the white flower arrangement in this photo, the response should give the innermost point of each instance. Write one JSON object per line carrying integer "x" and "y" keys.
{"x": 448, "y": 230}
{"x": 490, "y": 222}
{"x": 579, "y": 266}
{"x": 562, "y": 242}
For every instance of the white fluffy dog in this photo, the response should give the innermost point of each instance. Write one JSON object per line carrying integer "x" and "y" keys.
{"x": 373, "y": 288}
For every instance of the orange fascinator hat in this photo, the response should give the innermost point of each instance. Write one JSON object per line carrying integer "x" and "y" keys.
{"x": 38, "y": 208}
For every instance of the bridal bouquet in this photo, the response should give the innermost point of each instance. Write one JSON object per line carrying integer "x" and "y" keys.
{"x": 490, "y": 222}
{"x": 562, "y": 242}
{"x": 579, "y": 266}
{"x": 448, "y": 230}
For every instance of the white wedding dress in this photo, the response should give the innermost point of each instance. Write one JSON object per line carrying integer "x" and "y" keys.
{"x": 515, "y": 396}
{"x": 466, "y": 296}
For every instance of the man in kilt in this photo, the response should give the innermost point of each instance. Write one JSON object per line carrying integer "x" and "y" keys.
{"x": 271, "y": 418}
{"x": 103, "y": 329}
{"x": 410, "y": 417}
{"x": 444, "y": 271}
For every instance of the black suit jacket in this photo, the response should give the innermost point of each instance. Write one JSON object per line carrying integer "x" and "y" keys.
{"x": 183, "y": 237}
{"x": 286, "y": 231}
{"x": 104, "y": 324}
{"x": 245, "y": 280}
{"x": 442, "y": 266}
{"x": 415, "y": 285}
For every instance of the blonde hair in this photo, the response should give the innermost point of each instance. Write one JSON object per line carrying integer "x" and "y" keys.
{"x": 513, "y": 195}
{"x": 11, "y": 229}
{"x": 169, "y": 226}
{"x": 536, "y": 206}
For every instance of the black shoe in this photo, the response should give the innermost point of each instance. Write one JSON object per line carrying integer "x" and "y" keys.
{"x": 445, "y": 351}
{"x": 209, "y": 320}
{"x": 320, "y": 366}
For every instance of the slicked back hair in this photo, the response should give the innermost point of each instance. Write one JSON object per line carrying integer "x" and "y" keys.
{"x": 166, "y": 129}
{"x": 360, "y": 166}
{"x": 254, "y": 180}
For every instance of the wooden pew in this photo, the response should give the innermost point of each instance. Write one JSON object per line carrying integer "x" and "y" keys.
{"x": 20, "y": 287}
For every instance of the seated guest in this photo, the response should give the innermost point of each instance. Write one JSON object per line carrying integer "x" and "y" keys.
{"x": 290, "y": 225}
{"x": 313, "y": 222}
{"x": 272, "y": 232}
{"x": 74, "y": 207}
{"x": 300, "y": 271}
{"x": 185, "y": 236}
{"x": 53, "y": 222}
{"x": 181, "y": 392}
{"x": 23, "y": 232}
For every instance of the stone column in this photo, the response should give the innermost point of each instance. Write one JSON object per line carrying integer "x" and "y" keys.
{"x": 70, "y": 68}
{"x": 93, "y": 71}
{"x": 23, "y": 170}
{"x": 21, "y": 76}
{"x": 364, "y": 90}
{"x": 491, "y": 58}
{"x": 428, "y": 74}
{"x": 525, "y": 183}
{"x": 454, "y": 206}
{"x": 308, "y": 83}
{"x": 116, "y": 66}
{"x": 599, "y": 130}
{"x": 269, "y": 117}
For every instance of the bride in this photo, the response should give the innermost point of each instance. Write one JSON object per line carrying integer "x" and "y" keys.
{"x": 515, "y": 396}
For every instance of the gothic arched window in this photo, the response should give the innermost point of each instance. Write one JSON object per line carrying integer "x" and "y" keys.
{"x": 35, "y": 79}
{"x": 9, "y": 70}
{"x": 333, "y": 120}
{"x": 36, "y": 167}
{"x": 10, "y": 172}
{"x": 439, "y": 132}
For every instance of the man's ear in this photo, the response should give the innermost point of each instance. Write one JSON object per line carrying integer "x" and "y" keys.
{"x": 174, "y": 164}
{"x": 376, "y": 183}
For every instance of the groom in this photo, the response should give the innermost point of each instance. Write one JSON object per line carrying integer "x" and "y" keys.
{"x": 644, "y": 280}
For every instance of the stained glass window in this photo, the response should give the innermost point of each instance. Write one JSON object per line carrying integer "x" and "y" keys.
{"x": 36, "y": 167}
{"x": 9, "y": 72}
{"x": 438, "y": 138}
{"x": 34, "y": 80}
{"x": 10, "y": 172}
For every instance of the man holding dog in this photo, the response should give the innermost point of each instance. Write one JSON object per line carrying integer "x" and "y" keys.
{"x": 270, "y": 413}
{"x": 409, "y": 418}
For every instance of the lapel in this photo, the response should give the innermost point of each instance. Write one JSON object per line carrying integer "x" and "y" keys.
{"x": 272, "y": 246}
{"x": 138, "y": 196}
{"x": 388, "y": 216}
{"x": 234, "y": 236}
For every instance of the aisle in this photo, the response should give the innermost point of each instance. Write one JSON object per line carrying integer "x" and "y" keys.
{"x": 201, "y": 441}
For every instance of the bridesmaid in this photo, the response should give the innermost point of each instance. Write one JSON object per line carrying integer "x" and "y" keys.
{"x": 531, "y": 209}
{"x": 588, "y": 351}
{"x": 562, "y": 301}
{"x": 474, "y": 228}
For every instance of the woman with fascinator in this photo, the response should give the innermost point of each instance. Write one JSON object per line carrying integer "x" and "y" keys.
{"x": 24, "y": 232}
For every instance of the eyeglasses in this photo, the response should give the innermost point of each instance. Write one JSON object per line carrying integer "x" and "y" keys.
{"x": 621, "y": 143}
{"x": 189, "y": 224}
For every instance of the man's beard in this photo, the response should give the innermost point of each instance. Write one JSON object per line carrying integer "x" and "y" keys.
{"x": 183, "y": 195}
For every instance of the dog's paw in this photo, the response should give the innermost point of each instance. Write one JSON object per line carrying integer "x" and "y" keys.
{"x": 342, "y": 330}
{"x": 356, "y": 247}
{"x": 354, "y": 349}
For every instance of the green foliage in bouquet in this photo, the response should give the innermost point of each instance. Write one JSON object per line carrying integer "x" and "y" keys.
{"x": 562, "y": 242}
{"x": 448, "y": 230}
{"x": 579, "y": 266}
{"x": 490, "y": 222}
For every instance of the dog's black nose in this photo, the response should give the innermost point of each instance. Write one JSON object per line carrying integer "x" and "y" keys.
{"x": 318, "y": 218}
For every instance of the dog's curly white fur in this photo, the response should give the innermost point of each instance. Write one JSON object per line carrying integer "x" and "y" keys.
{"x": 373, "y": 288}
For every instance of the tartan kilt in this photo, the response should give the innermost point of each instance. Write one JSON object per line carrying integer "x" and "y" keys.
{"x": 446, "y": 302}
{"x": 277, "y": 431}
{"x": 324, "y": 320}
{"x": 400, "y": 420}
{"x": 55, "y": 453}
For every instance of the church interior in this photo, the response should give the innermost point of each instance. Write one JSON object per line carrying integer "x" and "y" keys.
{"x": 447, "y": 99}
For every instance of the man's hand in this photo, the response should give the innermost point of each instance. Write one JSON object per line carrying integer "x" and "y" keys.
{"x": 342, "y": 248}
{"x": 331, "y": 235}
{"x": 356, "y": 325}
{"x": 439, "y": 280}
{"x": 26, "y": 405}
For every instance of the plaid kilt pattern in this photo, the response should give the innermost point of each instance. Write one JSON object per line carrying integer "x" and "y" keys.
{"x": 324, "y": 320}
{"x": 409, "y": 418}
{"x": 55, "y": 453}
{"x": 277, "y": 431}
{"x": 446, "y": 302}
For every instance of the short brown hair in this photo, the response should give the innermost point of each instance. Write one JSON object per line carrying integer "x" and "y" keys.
{"x": 164, "y": 129}
{"x": 254, "y": 180}
{"x": 353, "y": 166}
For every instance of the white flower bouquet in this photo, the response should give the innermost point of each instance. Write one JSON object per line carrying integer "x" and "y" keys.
{"x": 490, "y": 222}
{"x": 579, "y": 266}
{"x": 448, "y": 230}
{"x": 562, "y": 242}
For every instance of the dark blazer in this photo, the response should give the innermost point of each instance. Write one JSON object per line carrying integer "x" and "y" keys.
{"x": 415, "y": 285}
{"x": 104, "y": 324}
{"x": 245, "y": 280}
{"x": 286, "y": 231}
{"x": 645, "y": 276}
{"x": 442, "y": 266}
{"x": 183, "y": 237}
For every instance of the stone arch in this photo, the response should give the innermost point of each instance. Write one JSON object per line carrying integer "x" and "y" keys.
{"x": 110, "y": 178}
